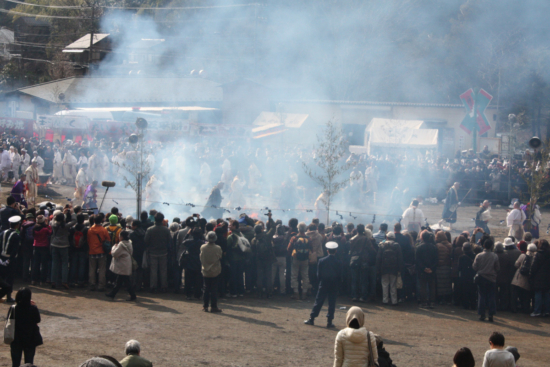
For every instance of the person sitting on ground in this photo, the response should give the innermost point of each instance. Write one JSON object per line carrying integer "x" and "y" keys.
{"x": 101, "y": 361}
{"x": 497, "y": 356}
{"x": 354, "y": 345}
{"x": 464, "y": 358}
{"x": 514, "y": 352}
{"x": 133, "y": 358}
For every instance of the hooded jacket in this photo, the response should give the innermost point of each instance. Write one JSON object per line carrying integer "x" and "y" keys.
{"x": 351, "y": 348}
{"x": 122, "y": 258}
{"x": 443, "y": 249}
{"x": 540, "y": 271}
{"x": 316, "y": 241}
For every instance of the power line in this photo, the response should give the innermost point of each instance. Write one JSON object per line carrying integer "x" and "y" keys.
{"x": 42, "y": 16}
{"x": 134, "y": 8}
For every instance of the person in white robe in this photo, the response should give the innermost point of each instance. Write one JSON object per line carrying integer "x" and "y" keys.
{"x": 15, "y": 163}
{"x": 514, "y": 221}
{"x": 25, "y": 160}
{"x": 236, "y": 198}
{"x": 69, "y": 166}
{"x": 413, "y": 218}
{"x": 82, "y": 160}
{"x": 5, "y": 163}
{"x": 57, "y": 165}
{"x": 39, "y": 161}
{"x": 227, "y": 176}
{"x": 81, "y": 182}
{"x": 371, "y": 177}
{"x": 32, "y": 183}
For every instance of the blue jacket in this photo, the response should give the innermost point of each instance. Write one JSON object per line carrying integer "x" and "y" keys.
{"x": 329, "y": 269}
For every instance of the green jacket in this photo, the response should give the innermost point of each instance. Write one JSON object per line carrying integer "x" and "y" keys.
{"x": 135, "y": 361}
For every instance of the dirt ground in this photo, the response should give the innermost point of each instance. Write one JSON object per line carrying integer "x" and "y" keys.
{"x": 78, "y": 324}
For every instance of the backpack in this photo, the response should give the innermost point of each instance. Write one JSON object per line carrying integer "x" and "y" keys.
{"x": 78, "y": 238}
{"x": 389, "y": 257}
{"x": 29, "y": 233}
{"x": 112, "y": 234}
{"x": 525, "y": 268}
{"x": 301, "y": 246}
{"x": 264, "y": 248}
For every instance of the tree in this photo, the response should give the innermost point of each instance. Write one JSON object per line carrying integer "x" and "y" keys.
{"x": 537, "y": 178}
{"x": 331, "y": 148}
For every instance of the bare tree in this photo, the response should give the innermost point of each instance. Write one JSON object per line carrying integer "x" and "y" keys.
{"x": 536, "y": 175}
{"x": 330, "y": 150}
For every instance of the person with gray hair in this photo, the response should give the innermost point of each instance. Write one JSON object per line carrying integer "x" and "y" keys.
{"x": 101, "y": 361}
{"x": 299, "y": 248}
{"x": 133, "y": 358}
{"x": 211, "y": 268}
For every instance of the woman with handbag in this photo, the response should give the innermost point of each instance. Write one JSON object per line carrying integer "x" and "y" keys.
{"x": 355, "y": 345}
{"x": 122, "y": 265}
{"x": 26, "y": 336}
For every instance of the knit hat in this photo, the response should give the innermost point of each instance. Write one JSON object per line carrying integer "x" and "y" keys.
{"x": 113, "y": 220}
{"x": 29, "y": 215}
{"x": 211, "y": 236}
{"x": 514, "y": 352}
{"x": 40, "y": 219}
{"x": 499, "y": 247}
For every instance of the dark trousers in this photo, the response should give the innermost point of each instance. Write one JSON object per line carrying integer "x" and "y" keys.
{"x": 137, "y": 278}
{"x": 121, "y": 280}
{"x": 264, "y": 274}
{"x": 503, "y": 296}
{"x": 17, "y": 351}
{"x": 408, "y": 284}
{"x": 237, "y": 282}
{"x": 288, "y": 275}
{"x": 5, "y": 287}
{"x": 468, "y": 295}
{"x": 40, "y": 264}
{"x": 193, "y": 283}
{"x": 325, "y": 290}
{"x": 211, "y": 292}
{"x": 486, "y": 297}
{"x": 223, "y": 279}
{"x": 524, "y": 298}
{"x": 250, "y": 274}
{"x": 359, "y": 283}
{"x": 313, "y": 281}
{"x": 426, "y": 281}
{"x": 26, "y": 261}
{"x": 78, "y": 269}
{"x": 179, "y": 274}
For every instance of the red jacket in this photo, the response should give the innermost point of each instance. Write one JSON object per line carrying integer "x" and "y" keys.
{"x": 42, "y": 236}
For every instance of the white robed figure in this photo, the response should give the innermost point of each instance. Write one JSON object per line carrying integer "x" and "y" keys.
{"x": 153, "y": 191}
{"x": 514, "y": 221}
{"x": 32, "y": 182}
{"x": 95, "y": 167}
{"x": 237, "y": 198}
{"x": 15, "y": 162}
{"x": 413, "y": 218}
{"x": 57, "y": 164}
{"x": 81, "y": 182}
{"x": 69, "y": 166}
{"x": 371, "y": 177}
{"x": 25, "y": 160}
{"x": 204, "y": 174}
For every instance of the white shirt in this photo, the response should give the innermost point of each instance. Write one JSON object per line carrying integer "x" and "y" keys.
{"x": 516, "y": 216}
{"x": 26, "y": 160}
{"x": 15, "y": 159}
{"x": 498, "y": 358}
{"x": 81, "y": 178}
{"x": 412, "y": 215}
{"x": 82, "y": 160}
{"x": 39, "y": 163}
{"x": 5, "y": 160}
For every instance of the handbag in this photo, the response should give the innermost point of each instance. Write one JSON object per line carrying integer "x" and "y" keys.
{"x": 244, "y": 245}
{"x": 105, "y": 245}
{"x": 371, "y": 362}
{"x": 399, "y": 282}
{"x": 9, "y": 329}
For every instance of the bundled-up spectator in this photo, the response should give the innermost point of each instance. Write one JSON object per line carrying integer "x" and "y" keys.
{"x": 41, "y": 250}
{"x": 263, "y": 248}
{"x": 97, "y": 235}
{"x": 78, "y": 253}
{"x": 121, "y": 266}
{"x": 355, "y": 345}
{"x": 300, "y": 248}
{"x": 27, "y": 334}
{"x": 27, "y": 240}
{"x": 192, "y": 263}
{"x": 389, "y": 262}
{"x": 137, "y": 236}
{"x": 157, "y": 240}
{"x": 521, "y": 278}
{"x": 60, "y": 250}
{"x": 426, "y": 264}
{"x": 316, "y": 241}
{"x": 466, "y": 274}
{"x": 407, "y": 250}
{"x": 211, "y": 268}
{"x": 539, "y": 276}
{"x": 506, "y": 274}
{"x": 443, "y": 271}
{"x": 279, "y": 248}
{"x": 133, "y": 358}
{"x": 487, "y": 266}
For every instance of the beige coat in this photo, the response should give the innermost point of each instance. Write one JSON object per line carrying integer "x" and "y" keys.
{"x": 211, "y": 255}
{"x": 122, "y": 258}
{"x": 520, "y": 280}
{"x": 351, "y": 348}
{"x": 316, "y": 242}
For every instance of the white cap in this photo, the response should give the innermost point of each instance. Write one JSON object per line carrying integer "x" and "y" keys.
{"x": 331, "y": 245}
{"x": 508, "y": 241}
{"x": 15, "y": 219}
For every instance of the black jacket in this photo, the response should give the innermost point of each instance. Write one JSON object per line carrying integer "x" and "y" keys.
{"x": 539, "y": 275}
{"x": 426, "y": 257}
{"x": 466, "y": 272}
{"x": 329, "y": 270}
{"x": 27, "y": 333}
{"x": 138, "y": 244}
{"x": 193, "y": 247}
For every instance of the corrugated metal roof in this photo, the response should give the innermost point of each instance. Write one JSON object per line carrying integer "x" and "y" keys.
{"x": 372, "y": 103}
{"x": 83, "y": 42}
{"x": 108, "y": 90}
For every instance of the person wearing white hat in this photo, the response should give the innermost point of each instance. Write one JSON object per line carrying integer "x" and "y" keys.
{"x": 57, "y": 164}
{"x": 25, "y": 160}
{"x": 15, "y": 163}
{"x": 39, "y": 161}
{"x": 9, "y": 240}
{"x": 328, "y": 272}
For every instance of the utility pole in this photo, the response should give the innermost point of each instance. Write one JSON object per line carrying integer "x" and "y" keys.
{"x": 90, "y": 53}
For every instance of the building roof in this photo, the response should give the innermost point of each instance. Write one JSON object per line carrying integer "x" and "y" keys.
{"x": 83, "y": 43}
{"x": 126, "y": 90}
{"x": 372, "y": 103}
{"x": 6, "y": 35}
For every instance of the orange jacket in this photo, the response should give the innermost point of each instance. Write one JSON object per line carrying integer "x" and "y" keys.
{"x": 94, "y": 235}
